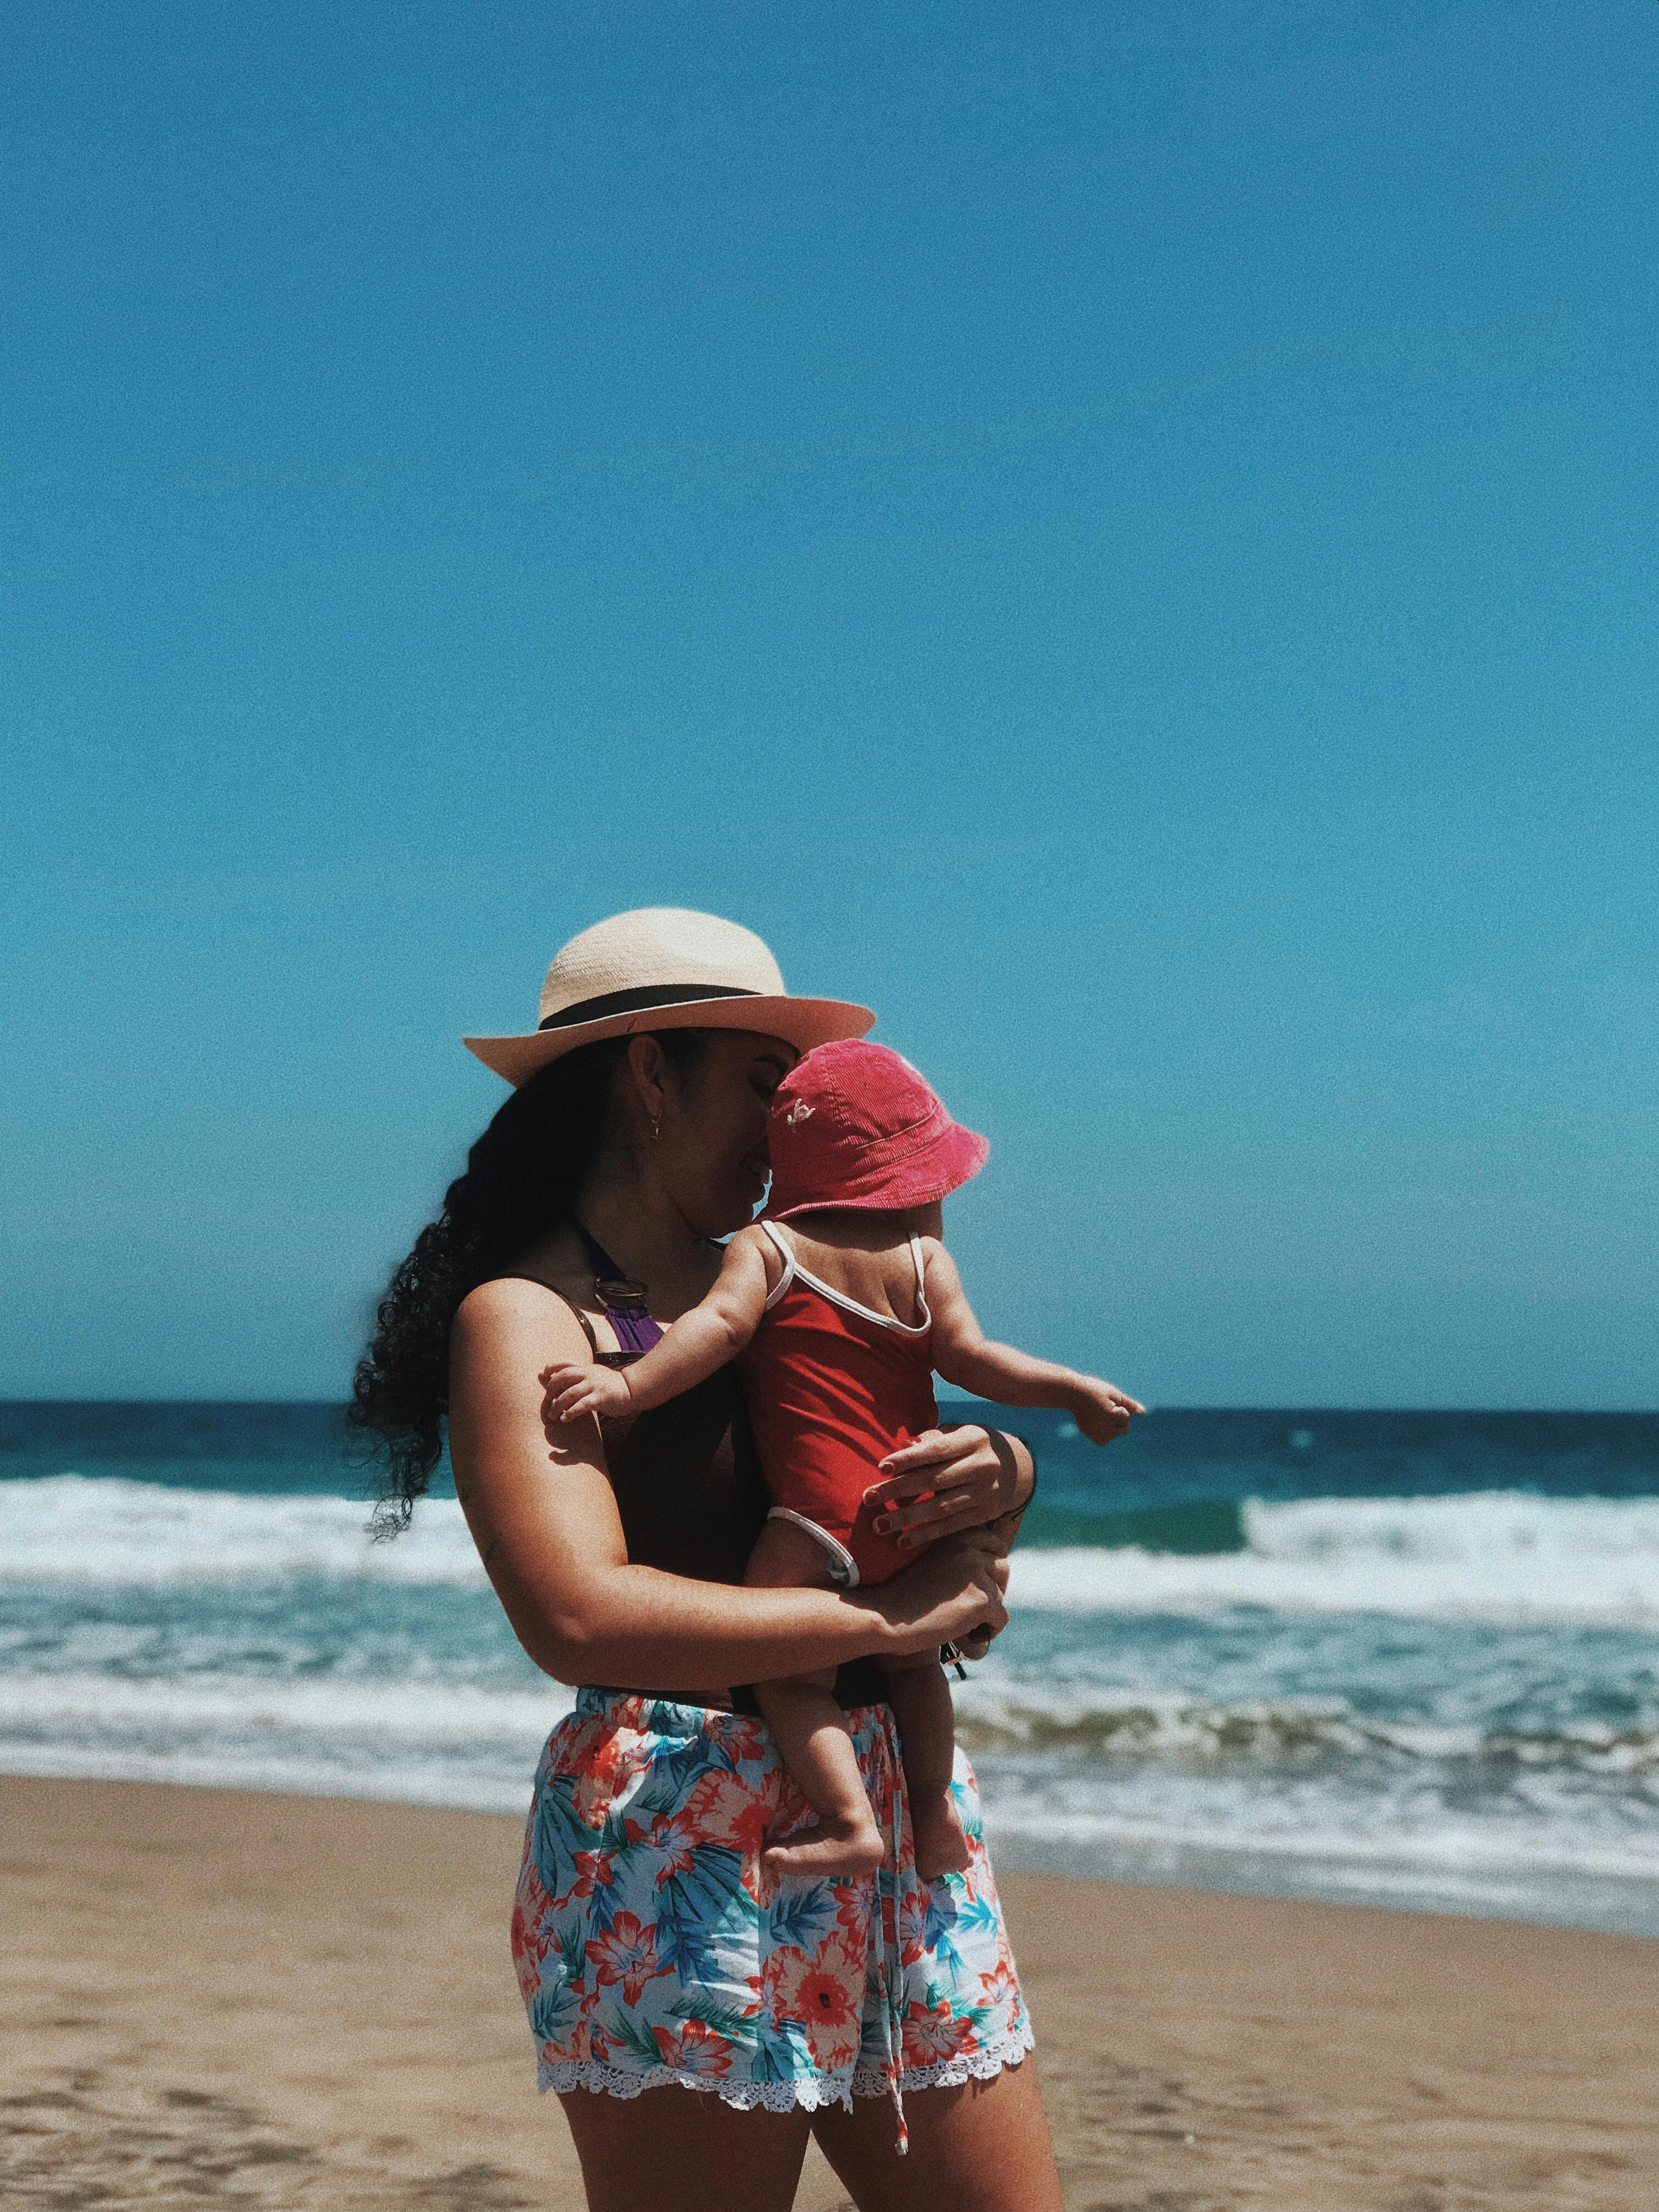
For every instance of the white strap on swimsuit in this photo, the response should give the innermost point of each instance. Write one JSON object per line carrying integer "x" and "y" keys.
{"x": 793, "y": 1271}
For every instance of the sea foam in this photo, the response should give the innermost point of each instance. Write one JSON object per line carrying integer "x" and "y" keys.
{"x": 74, "y": 1527}
{"x": 1490, "y": 1555}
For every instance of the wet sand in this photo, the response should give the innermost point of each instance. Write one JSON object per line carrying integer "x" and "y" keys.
{"x": 214, "y": 1998}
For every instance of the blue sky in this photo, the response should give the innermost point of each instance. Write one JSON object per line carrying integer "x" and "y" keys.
{"x": 1123, "y": 535}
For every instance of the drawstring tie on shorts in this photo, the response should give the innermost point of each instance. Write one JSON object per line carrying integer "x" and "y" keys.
{"x": 887, "y": 1970}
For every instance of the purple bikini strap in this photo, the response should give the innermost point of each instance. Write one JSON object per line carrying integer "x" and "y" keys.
{"x": 622, "y": 1298}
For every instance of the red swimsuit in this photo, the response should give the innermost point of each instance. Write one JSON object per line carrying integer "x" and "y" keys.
{"x": 832, "y": 1388}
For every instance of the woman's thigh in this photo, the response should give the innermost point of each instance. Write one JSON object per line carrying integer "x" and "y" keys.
{"x": 684, "y": 2148}
{"x": 983, "y": 2148}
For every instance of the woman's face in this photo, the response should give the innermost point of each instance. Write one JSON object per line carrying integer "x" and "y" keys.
{"x": 717, "y": 1163}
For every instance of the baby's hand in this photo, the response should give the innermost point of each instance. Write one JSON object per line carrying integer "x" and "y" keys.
{"x": 573, "y": 1388}
{"x": 1101, "y": 1411}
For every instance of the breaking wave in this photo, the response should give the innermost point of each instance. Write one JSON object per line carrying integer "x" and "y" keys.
{"x": 1490, "y": 1555}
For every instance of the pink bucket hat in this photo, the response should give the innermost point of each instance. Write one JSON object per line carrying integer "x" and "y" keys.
{"x": 854, "y": 1125}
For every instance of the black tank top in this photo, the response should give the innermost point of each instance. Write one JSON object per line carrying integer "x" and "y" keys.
{"x": 690, "y": 1491}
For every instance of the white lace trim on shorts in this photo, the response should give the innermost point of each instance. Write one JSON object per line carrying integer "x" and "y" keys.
{"x": 807, "y": 2095}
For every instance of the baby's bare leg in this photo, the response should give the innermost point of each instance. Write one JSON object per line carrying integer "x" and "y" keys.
{"x": 921, "y": 1698}
{"x": 817, "y": 1747}
{"x": 812, "y": 1736}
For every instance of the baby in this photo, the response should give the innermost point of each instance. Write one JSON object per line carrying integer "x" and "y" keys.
{"x": 842, "y": 1321}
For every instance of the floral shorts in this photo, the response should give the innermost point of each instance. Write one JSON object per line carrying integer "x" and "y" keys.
{"x": 650, "y": 1948}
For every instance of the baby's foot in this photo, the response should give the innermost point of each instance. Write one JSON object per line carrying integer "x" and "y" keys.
{"x": 834, "y": 1850}
{"x": 941, "y": 1841}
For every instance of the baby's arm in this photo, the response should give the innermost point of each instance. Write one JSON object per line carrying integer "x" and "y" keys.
{"x": 963, "y": 1354}
{"x": 695, "y": 1346}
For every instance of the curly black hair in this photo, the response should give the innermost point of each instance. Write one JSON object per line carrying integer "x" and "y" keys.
{"x": 521, "y": 1175}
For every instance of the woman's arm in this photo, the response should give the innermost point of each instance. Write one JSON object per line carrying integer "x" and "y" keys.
{"x": 542, "y": 1516}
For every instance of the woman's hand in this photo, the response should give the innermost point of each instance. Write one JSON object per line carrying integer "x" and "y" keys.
{"x": 972, "y": 1473}
{"x": 954, "y": 1591}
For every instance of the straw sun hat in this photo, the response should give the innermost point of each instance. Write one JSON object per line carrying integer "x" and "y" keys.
{"x": 664, "y": 968}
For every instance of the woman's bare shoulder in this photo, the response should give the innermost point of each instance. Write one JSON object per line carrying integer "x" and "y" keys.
{"x": 514, "y": 1316}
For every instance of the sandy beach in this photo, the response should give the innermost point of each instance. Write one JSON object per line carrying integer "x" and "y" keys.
{"x": 216, "y": 1998}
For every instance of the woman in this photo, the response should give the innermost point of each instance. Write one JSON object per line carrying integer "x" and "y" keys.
{"x": 652, "y": 1955}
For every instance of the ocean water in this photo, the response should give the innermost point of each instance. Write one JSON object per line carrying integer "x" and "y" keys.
{"x": 1406, "y": 1658}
